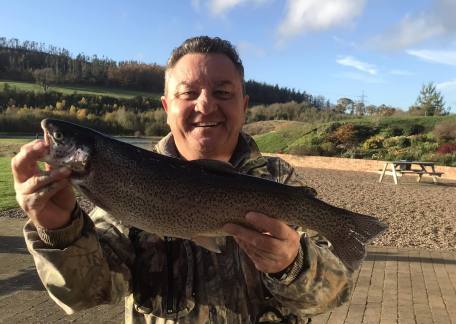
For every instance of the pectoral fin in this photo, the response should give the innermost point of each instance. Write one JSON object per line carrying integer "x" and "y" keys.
{"x": 211, "y": 243}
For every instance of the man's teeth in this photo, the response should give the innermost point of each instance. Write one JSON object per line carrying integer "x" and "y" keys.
{"x": 206, "y": 124}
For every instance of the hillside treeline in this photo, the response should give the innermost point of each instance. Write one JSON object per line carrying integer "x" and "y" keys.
{"x": 10, "y": 97}
{"x": 47, "y": 65}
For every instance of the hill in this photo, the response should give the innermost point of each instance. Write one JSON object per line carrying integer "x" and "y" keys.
{"x": 48, "y": 65}
{"x": 387, "y": 138}
{"x": 68, "y": 89}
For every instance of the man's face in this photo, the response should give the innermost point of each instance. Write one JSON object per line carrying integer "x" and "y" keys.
{"x": 205, "y": 106}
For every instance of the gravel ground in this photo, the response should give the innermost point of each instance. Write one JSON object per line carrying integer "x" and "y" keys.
{"x": 418, "y": 214}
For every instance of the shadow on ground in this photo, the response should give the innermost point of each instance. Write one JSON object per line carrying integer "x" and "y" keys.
{"x": 25, "y": 279}
{"x": 12, "y": 244}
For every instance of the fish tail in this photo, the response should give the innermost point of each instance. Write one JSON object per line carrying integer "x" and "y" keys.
{"x": 349, "y": 241}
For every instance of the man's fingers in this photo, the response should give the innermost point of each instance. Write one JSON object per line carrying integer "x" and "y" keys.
{"x": 34, "y": 183}
{"x": 275, "y": 227}
{"x": 24, "y": 164}
{"x": 35, "y": 201}
{"x": 263, "y": 242}
{"x": 263, "y": 262}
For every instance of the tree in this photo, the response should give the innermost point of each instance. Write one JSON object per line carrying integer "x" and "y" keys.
{"x": 430, "y": 102}
{"x": 343, "y": 104}
{"x": 44, "y": 77}
{"x": 359, "y": 108}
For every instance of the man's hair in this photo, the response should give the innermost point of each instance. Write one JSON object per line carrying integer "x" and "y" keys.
{"x": 205, "y": 45}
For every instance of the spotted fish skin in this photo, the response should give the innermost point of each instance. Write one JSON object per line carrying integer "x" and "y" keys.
{"x": 191, "y": 199}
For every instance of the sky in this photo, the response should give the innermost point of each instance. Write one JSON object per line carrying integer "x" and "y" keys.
{"x": 378, "y": 51}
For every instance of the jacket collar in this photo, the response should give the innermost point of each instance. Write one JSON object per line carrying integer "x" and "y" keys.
{"x": 246, "y": 149}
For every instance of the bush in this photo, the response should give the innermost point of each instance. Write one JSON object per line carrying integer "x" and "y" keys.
{"x": 404, "y": 142}
{"x": 414, "y": 129}
{"x": 374, "y": 142}
{"x": 445, "y": 131}
{"x": 447, "y": 148}
{"x": 344, "y": 134}
{"x": 328, "y": 149}
{"x": 303, "y": 149}
{"x": 392, "y": 132}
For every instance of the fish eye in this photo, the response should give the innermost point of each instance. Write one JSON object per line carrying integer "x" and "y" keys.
{"x": 58, "y": 136}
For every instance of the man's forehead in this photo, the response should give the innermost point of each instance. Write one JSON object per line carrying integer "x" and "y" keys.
{"x": 198, "y": 65}
{"x": 190, "y": 83}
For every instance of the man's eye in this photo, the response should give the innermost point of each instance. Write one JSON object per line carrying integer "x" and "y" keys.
{"x": 188, "y": 94}
{"x": 223, "y": 94}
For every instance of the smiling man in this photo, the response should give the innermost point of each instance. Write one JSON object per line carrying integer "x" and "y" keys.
{"x": 268, "y": 273}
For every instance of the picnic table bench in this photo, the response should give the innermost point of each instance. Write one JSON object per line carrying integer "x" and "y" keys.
{"x": 398, "y": 168}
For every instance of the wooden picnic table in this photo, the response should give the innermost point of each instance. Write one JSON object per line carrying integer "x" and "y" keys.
{"x": 419, "y": 168}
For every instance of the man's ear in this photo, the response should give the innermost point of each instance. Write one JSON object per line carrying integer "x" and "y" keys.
{"x": 164, "y": 103}
{"x": 246, "y": 103}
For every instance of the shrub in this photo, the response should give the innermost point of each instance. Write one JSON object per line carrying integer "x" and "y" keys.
{"x": 404, "y": 142}
{"x": 445, "y": 131}
{"x": 328, "y": 149}
{"x": 303, "y": 149}
{"x": 447, "y": 148}
{"x": 398, "y": 141}
{"x": 374, "y": 142}
{"x": 414, "y": 129}
{"x": 344, "y": 134}
{"x": 392, "y": 131}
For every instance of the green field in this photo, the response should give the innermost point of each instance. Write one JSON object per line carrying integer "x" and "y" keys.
{"x": 8, "y": 196}
{"x": 69, "y": 89}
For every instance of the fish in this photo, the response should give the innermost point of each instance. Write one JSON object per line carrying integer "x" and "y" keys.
{"x": 194, "y": 199}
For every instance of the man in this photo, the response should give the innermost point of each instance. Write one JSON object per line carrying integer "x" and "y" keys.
{"x": 271, "y": 275}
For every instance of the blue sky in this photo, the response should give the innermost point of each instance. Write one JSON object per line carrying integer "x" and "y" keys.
{"x": 384, "y": 49}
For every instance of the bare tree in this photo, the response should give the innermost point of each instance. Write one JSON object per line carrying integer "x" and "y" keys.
{"x": 44, "y": 77}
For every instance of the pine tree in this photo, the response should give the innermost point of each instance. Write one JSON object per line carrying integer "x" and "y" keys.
{"x": 430, "y": 102}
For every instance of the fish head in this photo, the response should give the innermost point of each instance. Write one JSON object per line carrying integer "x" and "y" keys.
{"x": 70, "y": 145}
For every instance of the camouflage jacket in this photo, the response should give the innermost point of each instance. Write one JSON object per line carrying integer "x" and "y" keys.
{"x": 98, "y": 260}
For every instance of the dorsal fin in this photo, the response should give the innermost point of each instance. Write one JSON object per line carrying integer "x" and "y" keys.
{"x": 216, "y": 166}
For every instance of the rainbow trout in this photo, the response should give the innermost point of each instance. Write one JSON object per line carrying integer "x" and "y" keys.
{"x": 193, "y": 199}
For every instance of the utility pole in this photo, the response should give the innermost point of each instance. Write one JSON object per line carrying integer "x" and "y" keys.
{"x": 362, "y": 98}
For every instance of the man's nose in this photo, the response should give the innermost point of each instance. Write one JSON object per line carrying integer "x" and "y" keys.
{"x": 205, "y": 104}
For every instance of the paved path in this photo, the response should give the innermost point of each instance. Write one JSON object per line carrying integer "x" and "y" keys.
{"x": 392, "y": 286}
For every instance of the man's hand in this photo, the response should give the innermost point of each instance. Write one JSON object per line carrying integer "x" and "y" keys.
{"x": 272, "y": 248}
{"x": 46, "y": 197}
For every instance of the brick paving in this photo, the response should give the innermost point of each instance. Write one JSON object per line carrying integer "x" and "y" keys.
{"x": 392, "y": 286}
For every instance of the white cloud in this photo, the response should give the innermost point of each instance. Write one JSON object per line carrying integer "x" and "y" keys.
{"x": 359, "y": 65}
{"x": 436, "y": 22}
{"x": 410, "y": 31}
{"x": 401, "y": 72}
{"x": 442, "y": 57}
{"x": 447, "y": 85}
{"x": 315, "y": 15}
{"x": 219, "y": 7}
{"x": 247, "y": 48}
{"x": 362, "y": 77}
{"x": 448, "y": 89}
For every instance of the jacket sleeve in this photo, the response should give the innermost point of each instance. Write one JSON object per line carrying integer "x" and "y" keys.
{"x": 84, "y": 264}
{"x": 317, "y": 280}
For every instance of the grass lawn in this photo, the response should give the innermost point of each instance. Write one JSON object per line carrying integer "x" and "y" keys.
{"x": 70, "y": 89}
{"x": 7, "y": 196}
